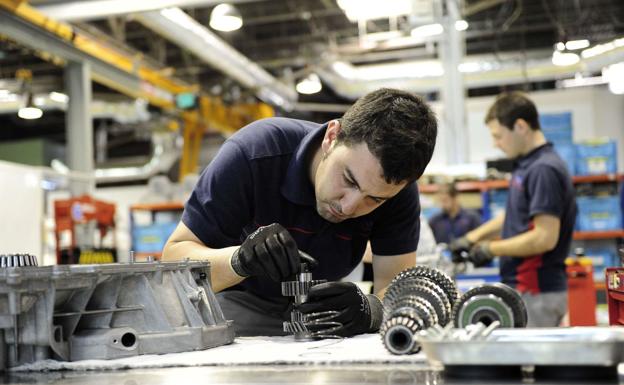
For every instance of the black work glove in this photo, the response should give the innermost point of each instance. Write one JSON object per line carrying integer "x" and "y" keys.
{"x": 269, "y": 251}
{"x": 481, "y": 254}
{"x": 459, "y": 249}
{"x": 358, "y": 313}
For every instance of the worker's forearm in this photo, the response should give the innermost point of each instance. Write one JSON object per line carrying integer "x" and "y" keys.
{"x": 527, "y": 244}
{"x": 487, "y": 230}
{"x": 221, "y": 273}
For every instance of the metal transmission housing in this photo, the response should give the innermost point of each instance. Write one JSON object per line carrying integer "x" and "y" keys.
{"x": 76, "y": 312}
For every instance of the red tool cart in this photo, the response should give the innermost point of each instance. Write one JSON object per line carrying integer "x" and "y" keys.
{"x": 615, "y": 294}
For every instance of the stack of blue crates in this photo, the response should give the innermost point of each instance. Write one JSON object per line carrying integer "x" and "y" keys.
{"x": 599, "y": 213}
{"x": 557, "y": 128}
{"x": 595, "y": 157}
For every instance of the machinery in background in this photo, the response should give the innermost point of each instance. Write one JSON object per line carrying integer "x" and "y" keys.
{"x": 82, "y": 224}
{"x": 77, "y": 312}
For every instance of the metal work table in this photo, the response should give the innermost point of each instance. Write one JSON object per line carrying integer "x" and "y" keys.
{"x": 271, "y": 374}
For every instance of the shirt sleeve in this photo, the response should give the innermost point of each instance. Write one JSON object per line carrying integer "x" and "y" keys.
{"x": 220, "y": 204}
{"x": 545, "y": 191}
{"x": 396, "y": 229}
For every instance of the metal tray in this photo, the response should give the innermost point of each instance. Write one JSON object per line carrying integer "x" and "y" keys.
{"x": 576, "y": 346}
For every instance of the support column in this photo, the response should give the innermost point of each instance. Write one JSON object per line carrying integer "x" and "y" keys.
{"x": 452, "y": 47}
{"x": 79, "y": 126}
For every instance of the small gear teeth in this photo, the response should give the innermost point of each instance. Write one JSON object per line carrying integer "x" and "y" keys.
{"x": 439, "y": 277}
{"x": 294, "y": 327}
{"x": 294, "y": 288}
{"x": 405, "y": 288}
{"x": 17, "y": 260}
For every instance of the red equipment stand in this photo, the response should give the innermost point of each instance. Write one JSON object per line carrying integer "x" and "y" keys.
{"x": 581, "y": 292}
{"x": 615, "y": 294}
{"x": 68, "y": 213}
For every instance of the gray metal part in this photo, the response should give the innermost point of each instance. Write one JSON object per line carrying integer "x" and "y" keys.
{"x": 75, "y": 312}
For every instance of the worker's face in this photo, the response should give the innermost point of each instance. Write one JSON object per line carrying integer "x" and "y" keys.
{"x": 508, "y": 140}
{"x": 348, "y": 181}
{"x": 447, "y": 202}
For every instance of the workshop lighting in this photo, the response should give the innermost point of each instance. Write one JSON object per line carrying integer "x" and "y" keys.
{"x": 309, "y": 85}
{"x": 599, "y": 49}
{"x": 573, "y": 45}
{"x": 461, "y": 25}
{"x": 375, "y": 9}
{"x": 226, "y": 18}
{"x": 563, "y": 59}
{"x": 58, "y": 97}
{"x": 427, "y": 30}
{"x": 614, "y": 74}
{"x": 29, "y": 111}
{"x": 560, "y": 46}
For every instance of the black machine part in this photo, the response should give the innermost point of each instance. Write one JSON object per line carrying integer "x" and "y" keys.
{"x": 490, "y": 302}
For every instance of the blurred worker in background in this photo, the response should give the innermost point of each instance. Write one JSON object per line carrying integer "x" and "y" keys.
{"x": 453, "y": 221}
{"x": 536, "y": 227}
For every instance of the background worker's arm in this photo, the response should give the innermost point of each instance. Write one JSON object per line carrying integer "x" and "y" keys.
{"x": 184, "y": 244}
{"x": 386, "y": 267}
{"x": 488, "y": 230}
{"x": 541, "y": 238}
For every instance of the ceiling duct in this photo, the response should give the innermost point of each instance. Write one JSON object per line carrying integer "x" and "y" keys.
{"x": 186, "y": 32}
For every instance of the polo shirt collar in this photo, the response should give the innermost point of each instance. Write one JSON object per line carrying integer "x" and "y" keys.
{"x": 529, "y": 158}
{"x": 297, "y": 186}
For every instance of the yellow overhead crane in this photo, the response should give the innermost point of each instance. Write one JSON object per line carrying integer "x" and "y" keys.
{"x": 211, "y": 113}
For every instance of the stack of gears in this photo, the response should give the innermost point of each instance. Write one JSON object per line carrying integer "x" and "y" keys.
{"x": 17, "y": 260}
{"x": 420, "y": 297}
{"x": 416, "y": 299}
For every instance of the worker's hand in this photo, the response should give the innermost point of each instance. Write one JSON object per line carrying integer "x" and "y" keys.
{"x": 481, "y": 254}
{"x": 269, "y": 251}
{"x": 459, "y": 249}
{"x": 357, "y": 313}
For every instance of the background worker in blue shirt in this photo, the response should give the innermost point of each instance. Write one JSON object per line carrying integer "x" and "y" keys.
{"x": 539, "y": 217}
{"x": 281, "y": 185}
{"x": 453, "y": 221}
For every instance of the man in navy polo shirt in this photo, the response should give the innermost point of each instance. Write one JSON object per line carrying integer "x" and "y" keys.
{"x": 281, "y": 185}
{"x": 454, "y": 221}
{"x": 539, "y": 216}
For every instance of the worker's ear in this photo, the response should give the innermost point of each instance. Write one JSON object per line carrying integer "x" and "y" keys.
{"x": 521, "y": 126}
{"x": 331, "y": 134}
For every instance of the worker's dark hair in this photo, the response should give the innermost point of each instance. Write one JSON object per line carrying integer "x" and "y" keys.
{"x": 448, "y": 188}
{"x": 511, "y": 106}
{"x": 399, "y": 129}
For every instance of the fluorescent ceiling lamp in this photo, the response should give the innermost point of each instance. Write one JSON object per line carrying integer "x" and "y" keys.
{"x": 599, "y": 49}
{"x": 58, "y": 97}
{"x": 309, "y": 85}
{"x": 614, "y": 74}
{"x": 427, "y": 30}
{"x": 580, "y": 81}
{"x": 29, "y": 113}
{"x": 461, "y": 25}
{"x": 564, "y": 58}
{"x": 576, "y": 44}
{"x": 375, "y": 9}
{"x": 560, "y": 46}
{"x": 226, "y": 18}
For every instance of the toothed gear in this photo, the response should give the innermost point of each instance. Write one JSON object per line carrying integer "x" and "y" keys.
{"x": 17, "y": 260}
{"x": 435, "y": 275}
{"x": 410, "y": 304}
{"x": 294, "y": 327}
{"x": 404, "y": 285}
{"x": 398, "y": 334}
{"x": 403, "y": 288}
{"x": 294, "y": 288}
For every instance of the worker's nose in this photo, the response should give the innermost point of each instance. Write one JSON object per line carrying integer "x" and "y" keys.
{"x": 350, "y": 202}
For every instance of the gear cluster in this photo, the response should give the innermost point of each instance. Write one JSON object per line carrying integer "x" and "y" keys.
{"x": 17, "y": 260}
{"x": 416, "y": 299}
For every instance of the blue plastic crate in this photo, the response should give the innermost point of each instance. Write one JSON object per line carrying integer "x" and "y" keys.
{"x": 598, "y": 213}
{"x": 151, "y": 238}
{"x": 557, "y": 128}
{"x": 596, "y": 157}
{"x": 567, "y": 152}
{"x": 601, "y": 259}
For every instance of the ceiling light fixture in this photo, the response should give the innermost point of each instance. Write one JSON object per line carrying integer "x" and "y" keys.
{"x": 576, "y": 44}
{"x": 599, "y": 49}
{"x": 29, "y": 111}
{"x": 461, "y": 25}
{"x": 375, "y": 9}
{"x": 427, "y": 30}
{"x": 309, "y": 85}
{"x": 563, "y": 58}
{"x": 58, "y": 97}
{"x": 614, "y": 74}
{"x": 225, "y": 18}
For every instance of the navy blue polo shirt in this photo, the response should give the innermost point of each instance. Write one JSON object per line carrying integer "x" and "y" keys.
{"x": 540, "y": 184}
{"x": 261, "y": 175}
{"x": 446, "y": 229}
